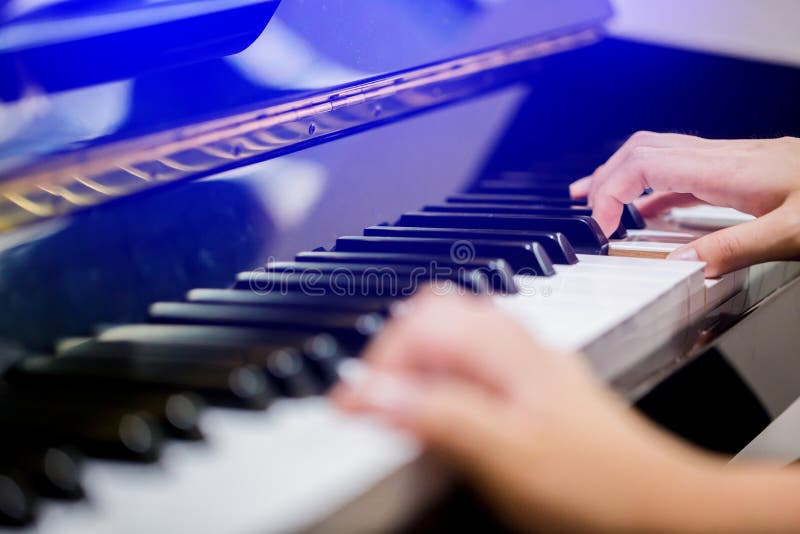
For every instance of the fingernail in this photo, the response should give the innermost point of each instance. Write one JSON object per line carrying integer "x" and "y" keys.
{"x": 400, "y": 308}
{"x": 379, "y": 390}
{"x": 353, "y": 373}
{"x": 684, "y": 254}
{"x": 578, "y": 190}
{"x": 391, "y": 394}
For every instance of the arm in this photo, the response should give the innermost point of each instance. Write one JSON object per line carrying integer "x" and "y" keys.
{"x": 760, "y": 177}
{"x": 545, "y": 442}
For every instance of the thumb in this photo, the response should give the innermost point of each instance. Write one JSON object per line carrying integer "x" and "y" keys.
{"x": 773, "y": 236}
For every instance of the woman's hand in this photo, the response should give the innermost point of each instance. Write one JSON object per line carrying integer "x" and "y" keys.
{"x": 759, "y": 177}
{"x": 547, "y": 444}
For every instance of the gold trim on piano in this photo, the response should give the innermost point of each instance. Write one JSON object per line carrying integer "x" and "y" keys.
{"x": 94, "y": 175}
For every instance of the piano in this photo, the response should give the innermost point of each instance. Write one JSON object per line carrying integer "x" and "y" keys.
{"x": 208, "y": 207}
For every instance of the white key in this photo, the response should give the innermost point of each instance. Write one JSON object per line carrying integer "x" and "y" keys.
{"x": 593, "y": 305}
{"x": 707, "y": 217}
{"x": 647, "y": 247}
{"x": 274, "y": 471}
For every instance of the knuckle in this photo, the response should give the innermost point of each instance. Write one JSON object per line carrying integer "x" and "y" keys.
{"x": 641, "y": 153}
{"x": 788, "y": 142}
{"x": 639, "y": 161}
{"x": 404, "y": 328}
{"x": 642, "y": 137}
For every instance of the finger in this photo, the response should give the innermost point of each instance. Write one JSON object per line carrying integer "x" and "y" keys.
{"x": 700, "y": 172}
{"x": 365, "y": 388}
{"x": 657, "y": 203}
{"x": 446, "y": 335}
{"x": 645, "y": 139}
{"x": 452, "y": 417}
{"x": 580, "y": 188}
{"x": 768, "y": 238}
{"x": 638, "y": 140}
{"x": 612, "y": 197}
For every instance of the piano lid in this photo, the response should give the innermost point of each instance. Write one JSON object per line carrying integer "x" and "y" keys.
{"x": 102, "y": 99}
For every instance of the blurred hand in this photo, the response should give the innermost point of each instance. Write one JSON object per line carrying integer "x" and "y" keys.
{"x": 760, "y": 177}
{"x": 546, "y": 443}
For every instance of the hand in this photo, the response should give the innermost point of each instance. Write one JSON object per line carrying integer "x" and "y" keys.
{"x": 759, "y": 177}
{"x": 547, "y": 444}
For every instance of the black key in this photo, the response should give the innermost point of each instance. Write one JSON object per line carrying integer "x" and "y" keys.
{"x": 557, "y": 245}
{"x": 522, "y": 209}
{"x": 219, "y": 384}
{"x": 323, "y": 356}
{"x": 242, "y": 354}
{"x": 17, "y": 501}
{"x": 381, "y": 284}
{"x": 478, "y": 280}
{"x": 387, "y": 258}
{"x": 178, "y": 413}
{"x": 540, "y": 176}
{"x": 203, "y": 335}
{"x": 473, "y": 279}
{"x": 291, "y": 374}
{"x": 292, "y": 300}
{"x": 518, "y": 207}
{"x": 499, "y": 273}
{"x": 534, "y": 200}
{"x": 51, "y": 471}
{"x": 322, "y": 353}
{"x": 103, "y": 431}
{"x": 227, "y": 344}
{"x": 631, "y": 218}
{"x": 521, "y": 187}
{"x": 237, "y": 350}
{"x": 352, "y": 329}
{"x": 521, "y": 256}
{"x": 583, "y": 232}
{"x": 305, "y": 378}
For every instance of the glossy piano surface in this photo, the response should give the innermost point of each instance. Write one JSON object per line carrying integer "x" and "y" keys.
{"x": 105, "y": 264}
{"x": 299, "y": 48}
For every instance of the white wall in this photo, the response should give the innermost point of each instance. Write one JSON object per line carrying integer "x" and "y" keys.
{"x": 760, "y": 29}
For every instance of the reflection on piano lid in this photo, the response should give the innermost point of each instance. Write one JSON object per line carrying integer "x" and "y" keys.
{"x": 64, "y": 45}
{"x": 249, "y": 110}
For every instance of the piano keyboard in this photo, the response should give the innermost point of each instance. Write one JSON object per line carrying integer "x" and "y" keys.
{"x": 210, "y": 417}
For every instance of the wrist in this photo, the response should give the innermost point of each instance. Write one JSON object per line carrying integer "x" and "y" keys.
{"x": 675, "y": 495}
{"x": 711, "y": 496}
{"x": 790, "y": 230}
